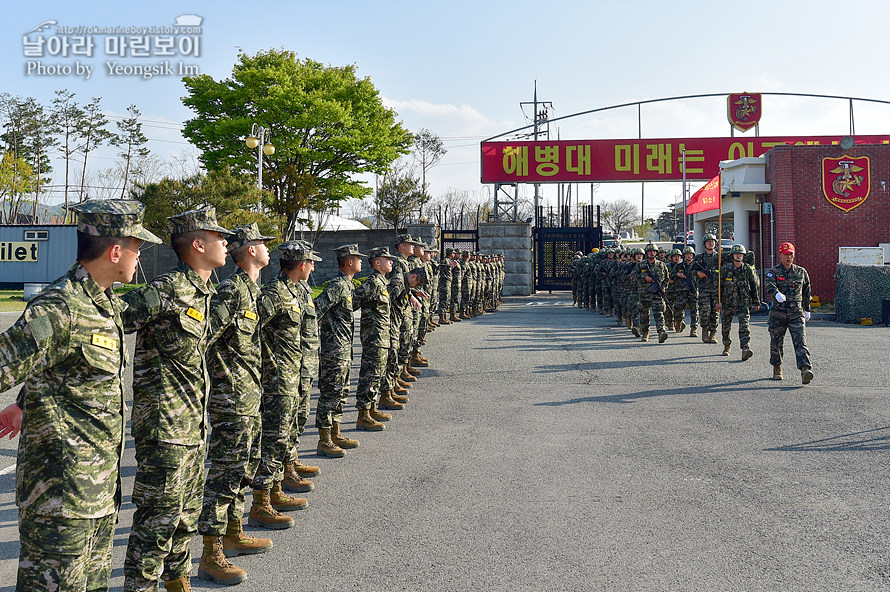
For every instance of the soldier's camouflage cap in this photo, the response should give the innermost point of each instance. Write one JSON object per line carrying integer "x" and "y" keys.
{"x": 297, "y": 250}
{"x": 245, "y": 234}
{"x": 380, "y": 252}
{"x": 406, "y": 238}
{"x": 113, "y": 218}
{"x": 448, "y": 251}
{"x": 193, "y": 220}
{"x": 348, "y": 250}
{"x": 675, "y": 252}
{"x": 688, "y": 250}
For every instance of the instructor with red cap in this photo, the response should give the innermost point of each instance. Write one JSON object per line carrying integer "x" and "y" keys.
{"x": 789, "y": 285}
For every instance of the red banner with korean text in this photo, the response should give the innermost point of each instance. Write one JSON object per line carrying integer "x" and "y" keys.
{"x": 574, "y": 161}
{"x": 706, "y": 198}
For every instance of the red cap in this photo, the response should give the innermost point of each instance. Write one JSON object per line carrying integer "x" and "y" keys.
{"x": 786, "y": 248}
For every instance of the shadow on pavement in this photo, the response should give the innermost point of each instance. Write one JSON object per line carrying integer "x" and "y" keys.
{"x": 631, "y": 397}
{"x": 843, "y": 443}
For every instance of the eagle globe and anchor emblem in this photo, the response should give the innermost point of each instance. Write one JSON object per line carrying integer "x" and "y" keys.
{"x": 743, "y": 110}
{"x": 846, "y": 181}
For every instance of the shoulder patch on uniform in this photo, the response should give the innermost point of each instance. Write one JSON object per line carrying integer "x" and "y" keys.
{"x": 152, "y": 299}
{"x": 769, "y": 274}
{"x": 41, "y": 328}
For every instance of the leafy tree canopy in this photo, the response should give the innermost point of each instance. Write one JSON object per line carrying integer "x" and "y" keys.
{"x": 327, "y": 126}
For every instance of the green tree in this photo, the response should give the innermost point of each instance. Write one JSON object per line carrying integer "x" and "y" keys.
{"x": 398, "y": 195}
{"x": 327, "y": 126}
{"x": 131, "y": 141}
{"x": 67, "y": 119}
{"x": 93, "y": 133}
{"x": 16, "y": 179}
{"x": 236, "y": 199}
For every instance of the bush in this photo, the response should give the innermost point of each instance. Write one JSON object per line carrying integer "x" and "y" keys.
{"x": 859, "y": 291}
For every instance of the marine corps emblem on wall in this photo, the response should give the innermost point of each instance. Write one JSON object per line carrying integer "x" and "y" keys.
{"x": 846, "y": 181}
{"x": 743, "y": 110}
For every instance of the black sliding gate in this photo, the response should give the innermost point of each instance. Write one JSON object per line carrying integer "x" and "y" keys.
{"x": 556, "y": 241}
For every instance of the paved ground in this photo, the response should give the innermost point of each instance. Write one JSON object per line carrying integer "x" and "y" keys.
{"x": 547, "y": 449}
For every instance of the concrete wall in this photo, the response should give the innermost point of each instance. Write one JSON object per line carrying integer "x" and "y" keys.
{"x": 514, "y": 240}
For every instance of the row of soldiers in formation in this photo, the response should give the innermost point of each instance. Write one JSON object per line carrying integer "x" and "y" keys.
{"x": 630, "y": 283}
{"x": 238, "y": 358}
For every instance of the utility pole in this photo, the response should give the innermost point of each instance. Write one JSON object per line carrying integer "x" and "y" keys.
{"x": 540, "y": 115}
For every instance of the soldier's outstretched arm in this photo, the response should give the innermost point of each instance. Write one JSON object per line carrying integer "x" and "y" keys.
{"x": 11, "y": 421}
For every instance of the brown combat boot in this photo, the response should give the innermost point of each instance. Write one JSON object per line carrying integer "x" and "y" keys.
{"x": 713, "y": 337}
{"x": 326, "y": 446}
{"x": 454, "y": 318}
{"x": 705, "y": 335}
{"x": 746, "y": 353}
{"x": 726, "y": 350}
{"x": 178, "y": 585}
{"x": 644, "y": 335}
{"x": 284, "y": 502}
{"x": 406, "y": 376}
{"x": 806, "y": 375}
{"x": 368, "y": 423}
{"x": 419, "y": 362}
{"x": 293, "y": 481}
{"x": 263, "y": 514}
{"x": 237, "y": 542}
{"x": 339, "y": 440}
{"x": 662, "y": 336}
{"x": 693, "y": 332}
{"x": 305, "y": 470}
{"x": 400, "y": 391}
{"x": 411, "y": 370}
{"x": 777, "y": 372}
{"x": 377, "y": 414}
{"x": 443, "y": 320}
{"x": 464, "y": 316}
{"x": 214, "y": 565}
{"x": 389, "y": 403}
{"x": 395, "y": 396}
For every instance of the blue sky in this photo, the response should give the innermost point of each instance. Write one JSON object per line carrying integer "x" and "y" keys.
{"x": 461, "y": 68}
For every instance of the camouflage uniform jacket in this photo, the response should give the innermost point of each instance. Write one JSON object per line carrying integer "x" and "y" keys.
{"x": 334, "y": 307}
{"x": 739, "y": 286}
{"x": 68, "y": 348}
{"x": 309, "y": 341}
{"x": 281, "y": 317}
{"x": 373, "y": 298}
{"x": 170, "y": 379}
{"x": 234, "y": 360}
{"x": 708, "y": 262}
{"x": 794, "y": 283}
{"x": 641, "y": 272}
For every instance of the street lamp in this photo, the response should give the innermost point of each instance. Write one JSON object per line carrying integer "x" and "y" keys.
{"x": 259, "y": 138}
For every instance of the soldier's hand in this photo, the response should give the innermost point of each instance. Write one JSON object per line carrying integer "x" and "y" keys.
{"x": 11, "y": 421}
{"x": 701, "y": 274}
{"x": 757, "y": 308}
{"x": 648, "y": 279}
{"x": 718, "y": 307}
{"x": 681, "y": 275}
{"x": 415, "y": 303}
{"x": 806, "y": 315}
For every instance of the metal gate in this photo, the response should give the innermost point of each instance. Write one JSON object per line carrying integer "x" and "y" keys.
{"x": 555, "y": 247}
{"x": 465, "y": 240}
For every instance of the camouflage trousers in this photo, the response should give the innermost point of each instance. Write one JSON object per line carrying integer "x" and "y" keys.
{"x": 687, "y": 300}
{"x": 276, "y": 441}
{"x": 655, "y": 303}
{"x": 790, "y": 318}
{"x": 333, "y": 388}
{"x": 707, "y": 310}
{"x": 671, "y": 310}
{"x": 575, "y": 290}
{"x": 466, "y": 292}
{"x": 406, "y": 338}
{"x": 234, "y": 455}
{"x": 370, "y": 376}
{"x": 420, "y": 328}
{"x": 595, "y": 295}
{"x": 63, "y": 554}
{"x": 744, "y": 316}
{"x": 584, "y": 292}
{"x": 167, "y": 494}
{"x": 301, "y": 416}
{"x": 392, "y": 358}
{"x": 632, "y": 308}
{"x": 444, "y": 298}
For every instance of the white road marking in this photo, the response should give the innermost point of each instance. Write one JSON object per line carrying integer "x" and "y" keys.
{"x": 7, "y": 470}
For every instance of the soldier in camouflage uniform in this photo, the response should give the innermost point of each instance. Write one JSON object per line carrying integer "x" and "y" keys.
{"x": 444, "y": 286}
{"x": 739, "y": 289}
{"x": 651, "y": 276}
{"x": 789, "y": 284}
{"x": 468, "y": 285}
{"x": 632, "y": 293}
{"x": 335, "y": 307}
{"x": 374, "y": 332}
{"x": 68, "y": 350}
{"x": 688, "y": 292}
{"x": 234, "y": 363}
{"x": 606, "y": 281}
{"x": 673, "y": 314}
{"x": 171, "y": 315}
{"x": 707, "y": 263}
{"x": 574, "y": 272}
{"x": 457, "y": 281}
{"x": 281, "y": 307}
{"x": 424, "y": 253}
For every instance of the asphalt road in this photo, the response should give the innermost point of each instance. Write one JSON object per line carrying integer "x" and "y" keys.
{"x": 547, "y": 449}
